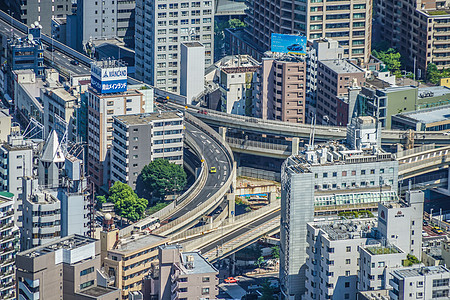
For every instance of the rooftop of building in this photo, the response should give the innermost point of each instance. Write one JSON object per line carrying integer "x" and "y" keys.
{"x": 420, "y": 271}
{"x": 135, "y": 242}
{"x": 341, "y": 66}
{"x": 235, "y": 70}
{"x": 128, "y": 92}
{"x": 6, "y": 197}
{"x": 433, "y": 91}
{"x": 60, "y": 21}
{"x": 62, "y": 94}
{"x": 381, "y": 250}
{"x": 334, "y": 153}
{"x": 374, "y": 295}
{"x": 97, "y": 291}
{"x": 146, "y": 118}
{"x": 377, "y": 83}
{"x": 346, "y": 229}
{"x": 43, "y": 198}
{"x": 230, "y": 8}
{"x": 194, "y": 263}
{"x": 192, "y": 44}
{"x": 68, "y": 243}
{"x": 109, "y": 63}
{"x": 436, "y": 12}
{"x": 428, "y": 115}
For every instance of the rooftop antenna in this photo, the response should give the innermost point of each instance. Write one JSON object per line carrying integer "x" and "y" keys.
{"x": 312, "y": 133}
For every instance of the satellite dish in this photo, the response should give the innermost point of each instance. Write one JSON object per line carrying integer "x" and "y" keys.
{"x": 32, "y": 26}
{"x": 30, "y": 37}
{"x": 36, "y": 23}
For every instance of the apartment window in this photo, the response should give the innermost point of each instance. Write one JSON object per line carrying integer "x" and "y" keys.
{"x": 325, "y": 175}
{"x": 205, "y": 291}
{"x": 347, "y": 284}
{"x": 353, "y": 173}
{"x": 184, "y": 279}
{"x": 205, "y": 279}
{"x": 183, "y": 290}
{"x": 344, "y": 173}
{"x": 347, "y": 273}
{"x": 363, "y": 172}
{"x": 347, "y": 261}
{"x": 334, "y": 174}
{"x": 348, "y": 249}
{"x": 372, "y": 171}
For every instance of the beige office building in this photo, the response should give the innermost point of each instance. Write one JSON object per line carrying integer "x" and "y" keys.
{"x": 127, "y": 260}
{"x": 421, "y": 34}
{"x": 347, "y": 21}
{"x": 65, "y": 269}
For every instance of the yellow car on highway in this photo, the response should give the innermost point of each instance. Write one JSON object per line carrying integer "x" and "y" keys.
{"x": 212, "y": 170}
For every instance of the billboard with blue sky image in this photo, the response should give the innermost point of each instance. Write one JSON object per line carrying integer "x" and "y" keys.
{"x": 286, "y": 43}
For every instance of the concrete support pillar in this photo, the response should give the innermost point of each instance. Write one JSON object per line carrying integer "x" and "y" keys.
{"x": 223, "y": 132}
{"x": 233, "y": 264}
{"x": 295, "y": 142}
{"x": 231, "y": 206}
{"x": 271, "y": 197}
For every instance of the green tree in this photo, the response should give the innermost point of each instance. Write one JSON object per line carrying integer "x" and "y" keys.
{"x": 162, "y": 177}
{"x": 266, "y": 291}
{"x": 235, "y": 23}
{"x": 99, "y": 201}
{"x": 391, "y": 58}
{"x": 126, "y": 203}
{"x": 276, "y": 252}
{"x": 259, "y": 262}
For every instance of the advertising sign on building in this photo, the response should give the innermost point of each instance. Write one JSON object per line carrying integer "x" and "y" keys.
{"x": 291, "y": 44}
{"x": 107, "y": 79}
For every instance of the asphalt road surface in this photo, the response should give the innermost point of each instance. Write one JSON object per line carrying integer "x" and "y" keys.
{"x": 215, "y": 156}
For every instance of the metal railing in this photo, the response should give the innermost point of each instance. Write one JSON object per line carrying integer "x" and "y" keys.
{"x": 246, "y": 144}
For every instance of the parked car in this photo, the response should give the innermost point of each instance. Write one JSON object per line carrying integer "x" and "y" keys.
{"x": 74, "y": 62}
{"x": 203, "y": 112}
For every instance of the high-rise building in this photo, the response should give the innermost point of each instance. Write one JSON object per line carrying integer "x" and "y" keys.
{"x": 9, "y": 243}
{"x": 142, "y": 138}
{"x": 420, "y": 283}
{"x": 96, "y": 20}
{"x": 160, "y": 28}
{"x": 64, "y": 269}
{"x": 102, "y": 106}
{"x": 324, "y": 179}
{"x": 42, "y": 11}
{"x": 334, "y": 78}
{"x": 349, "y": 22}
{"x": 420, "y": 35}
{"x": 282, "y": 89}
{"x": 182, "y": 275}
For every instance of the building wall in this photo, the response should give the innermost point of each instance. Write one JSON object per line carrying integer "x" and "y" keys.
{"x": 160, "y": 27}
{"x": 192, "y": 69}
{"x": 330, "y": 85}
{"x": 101, "y": 109}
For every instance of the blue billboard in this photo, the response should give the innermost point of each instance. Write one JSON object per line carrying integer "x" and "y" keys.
{"x": 285, "y": 43}
{"x": 107, "y": 80}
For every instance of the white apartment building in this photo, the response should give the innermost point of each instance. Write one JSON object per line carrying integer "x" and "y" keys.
{"x": 9, "y": 238}
{"x": 407, "y": 233}
{"x": 41, "y": 220}
{"x": 16, "y": 161}
{"x": 348, "y": 256}
{"x": 160, "y": 28}
{"x": 332, "y": 265}
{"x": 420, "y": 283}
{"x": 192, "y": 70}
{"x": 141, "y": 138}
{"x": 326, "y": 178}
{"x": 376, "y": 263}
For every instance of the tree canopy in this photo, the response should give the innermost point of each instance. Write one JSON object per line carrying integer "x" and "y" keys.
{"x": 162, "y": 177}
{"x": 126, "y": 203}
{"x": 434, "y": 75}
{"x": 391, "y": 58}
